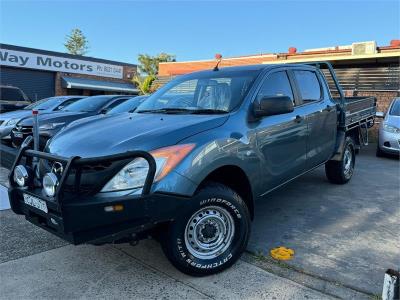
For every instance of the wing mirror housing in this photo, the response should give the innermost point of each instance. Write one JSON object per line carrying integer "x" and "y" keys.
{"x": 380, "y": 114}
{"x": 272, "y": 105}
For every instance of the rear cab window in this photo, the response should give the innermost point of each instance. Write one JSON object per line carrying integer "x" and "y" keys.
{"x": 308, "y": 85}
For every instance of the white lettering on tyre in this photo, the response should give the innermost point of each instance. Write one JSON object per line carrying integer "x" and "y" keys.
{"x": 196, "y": 264}
{"x": 222, "y": 201}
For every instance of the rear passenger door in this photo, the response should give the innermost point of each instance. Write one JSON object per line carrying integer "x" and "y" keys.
{"x": 281, "y": 138}
{"x": 320, "y": 115}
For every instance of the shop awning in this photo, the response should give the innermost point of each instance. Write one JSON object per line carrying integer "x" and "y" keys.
{"x": 97, "y": 85}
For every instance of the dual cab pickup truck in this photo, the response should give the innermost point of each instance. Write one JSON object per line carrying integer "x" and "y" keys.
{"x": 189, "y": 165}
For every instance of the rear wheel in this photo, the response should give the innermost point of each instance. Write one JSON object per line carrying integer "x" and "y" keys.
{"x": 340, "y": 172}
{"x": 211, "y": 233}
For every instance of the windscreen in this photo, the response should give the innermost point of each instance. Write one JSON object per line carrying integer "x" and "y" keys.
{"x": 219, "y": 91}
{"x": 46, "y": 103}
{"x": 128, "y": 105}
{"x": 395, "y": 110}
{"x": 11, "y": 94}
{"x": 89, "y": 104}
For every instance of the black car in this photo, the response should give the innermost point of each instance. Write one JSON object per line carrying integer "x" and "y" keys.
{"x": 12, "y": 98}
{"x": 50, "y": 124}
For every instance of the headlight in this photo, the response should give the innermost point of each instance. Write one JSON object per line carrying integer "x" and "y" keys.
{"x": 21, "y": 175}
{"x": 12, "y": 122}
{"x": 50, "y": 183}
{"x": 51, "y": 126}
{"x": 390, "y": 128}
{"x": 133, "y": 175}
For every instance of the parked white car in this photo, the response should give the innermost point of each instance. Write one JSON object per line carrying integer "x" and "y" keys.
{"x": 389, "y": 130}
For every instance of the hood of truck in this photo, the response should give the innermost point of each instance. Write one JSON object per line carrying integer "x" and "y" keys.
{"x": 131, "y": 131}
{"x": 56, "y": 117}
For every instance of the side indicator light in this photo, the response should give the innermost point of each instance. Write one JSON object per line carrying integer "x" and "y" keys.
{"x": 113, "y": 208}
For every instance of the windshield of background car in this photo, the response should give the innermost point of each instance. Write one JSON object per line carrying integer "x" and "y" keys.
{"x": 128, "y": 105}
{"x": 395, "y": 110}
{"x": 89, "y": 104}
{"x": 46, "y": 103}
{"x": 220, "y": 91}
{"x": 11, "y": 94}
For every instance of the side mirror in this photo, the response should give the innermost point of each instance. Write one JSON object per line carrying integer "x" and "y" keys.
{"x": 273, "y": 105}
{"x": 380, "y": 114}
{"x": 104, "y": 111}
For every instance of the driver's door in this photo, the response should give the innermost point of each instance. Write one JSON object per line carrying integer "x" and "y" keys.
{"x": 281, "y": 138}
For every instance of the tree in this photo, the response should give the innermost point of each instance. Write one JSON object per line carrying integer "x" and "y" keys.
{"x": 149, "y": 64}
{"x": 144, "y": 83}
{"x": 76, "y": 43}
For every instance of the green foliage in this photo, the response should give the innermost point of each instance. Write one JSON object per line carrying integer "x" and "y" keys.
{"x": 76, "y": 43}
{"x": 149, "y": 64}
{"x": 144, "y": 83}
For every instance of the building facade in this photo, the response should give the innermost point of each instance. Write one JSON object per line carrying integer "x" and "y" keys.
{"x": 363, "y": 69}
{"x": 40, "y": 73}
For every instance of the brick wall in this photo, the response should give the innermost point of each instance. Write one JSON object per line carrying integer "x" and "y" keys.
{"x": 384, "y": 98}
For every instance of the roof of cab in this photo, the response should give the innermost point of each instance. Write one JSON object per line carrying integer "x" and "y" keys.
{"x": 258, "y": 67}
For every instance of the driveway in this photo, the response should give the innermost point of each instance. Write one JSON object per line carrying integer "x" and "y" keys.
{"x": 37, "y": 265}
{"x": 342, "y": 233}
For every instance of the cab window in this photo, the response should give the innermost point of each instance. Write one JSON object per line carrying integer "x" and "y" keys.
{"x": 276, "y": 84}
{"x": 309, "y": 86}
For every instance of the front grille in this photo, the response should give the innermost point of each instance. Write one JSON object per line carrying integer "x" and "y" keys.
{"x": 25, "y": 129}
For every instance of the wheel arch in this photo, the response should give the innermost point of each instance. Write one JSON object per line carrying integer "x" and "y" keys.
{"x": 235, "y": 178}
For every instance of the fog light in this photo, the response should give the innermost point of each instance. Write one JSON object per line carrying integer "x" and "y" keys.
{"x": 50, "y": 183}
{"x": 21, "y": 175}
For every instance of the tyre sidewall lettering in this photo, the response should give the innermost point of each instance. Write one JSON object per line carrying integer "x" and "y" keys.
{"x": 223, "y": 258}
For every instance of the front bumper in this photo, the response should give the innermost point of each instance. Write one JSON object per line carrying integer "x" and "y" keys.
{"x": 18, "y": 137}
{"x": 81, "y": 216}
{"x": 86, "y": 220}
{"x": 389, "y": 142}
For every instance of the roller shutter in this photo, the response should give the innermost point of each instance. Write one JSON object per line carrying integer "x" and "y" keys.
{"x": 36, "y": 84}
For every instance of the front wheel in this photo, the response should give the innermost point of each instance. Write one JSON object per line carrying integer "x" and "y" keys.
{"x": 211, "y": 233}
{"x": 340, "y": 172}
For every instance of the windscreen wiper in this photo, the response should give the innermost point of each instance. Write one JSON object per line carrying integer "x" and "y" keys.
{"x": 166, "y": 110}
{"x": 172, "y": 110}
{"x": 208, "y": 111}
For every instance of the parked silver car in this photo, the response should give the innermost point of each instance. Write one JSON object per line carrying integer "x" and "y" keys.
{"x": 389, "y": 130}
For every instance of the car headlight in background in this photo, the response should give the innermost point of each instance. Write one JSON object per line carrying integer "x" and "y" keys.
{"x": 391, "y": 128}
{"x": 133, "y": 175}
{"x": 12, "y": 122}
{"x": 51, "y": 126}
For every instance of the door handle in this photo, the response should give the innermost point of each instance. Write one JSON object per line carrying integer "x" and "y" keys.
{"x": 298, "y": 119}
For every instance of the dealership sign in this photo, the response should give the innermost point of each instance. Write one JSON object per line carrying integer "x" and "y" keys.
{"x": 58, "y": 64}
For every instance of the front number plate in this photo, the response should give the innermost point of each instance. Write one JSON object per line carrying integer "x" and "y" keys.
{"x": 35, "y": 202}
{"x": 18, "y": 135}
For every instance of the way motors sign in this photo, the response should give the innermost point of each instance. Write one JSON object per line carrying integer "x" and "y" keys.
{"x": 29, "y": 60}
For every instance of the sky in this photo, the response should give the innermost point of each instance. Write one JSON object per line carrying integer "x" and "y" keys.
{"x": 195, "y": 30}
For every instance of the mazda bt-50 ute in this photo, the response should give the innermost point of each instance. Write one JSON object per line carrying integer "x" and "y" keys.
{"x": 190, "y": 164}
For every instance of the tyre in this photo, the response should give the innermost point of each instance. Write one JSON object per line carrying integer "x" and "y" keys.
{"x": 211, "y": 233}
{"x": 340, "y": 172}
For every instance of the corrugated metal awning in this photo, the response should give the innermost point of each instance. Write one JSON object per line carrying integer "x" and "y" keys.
{"x": 97, "y": 85}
